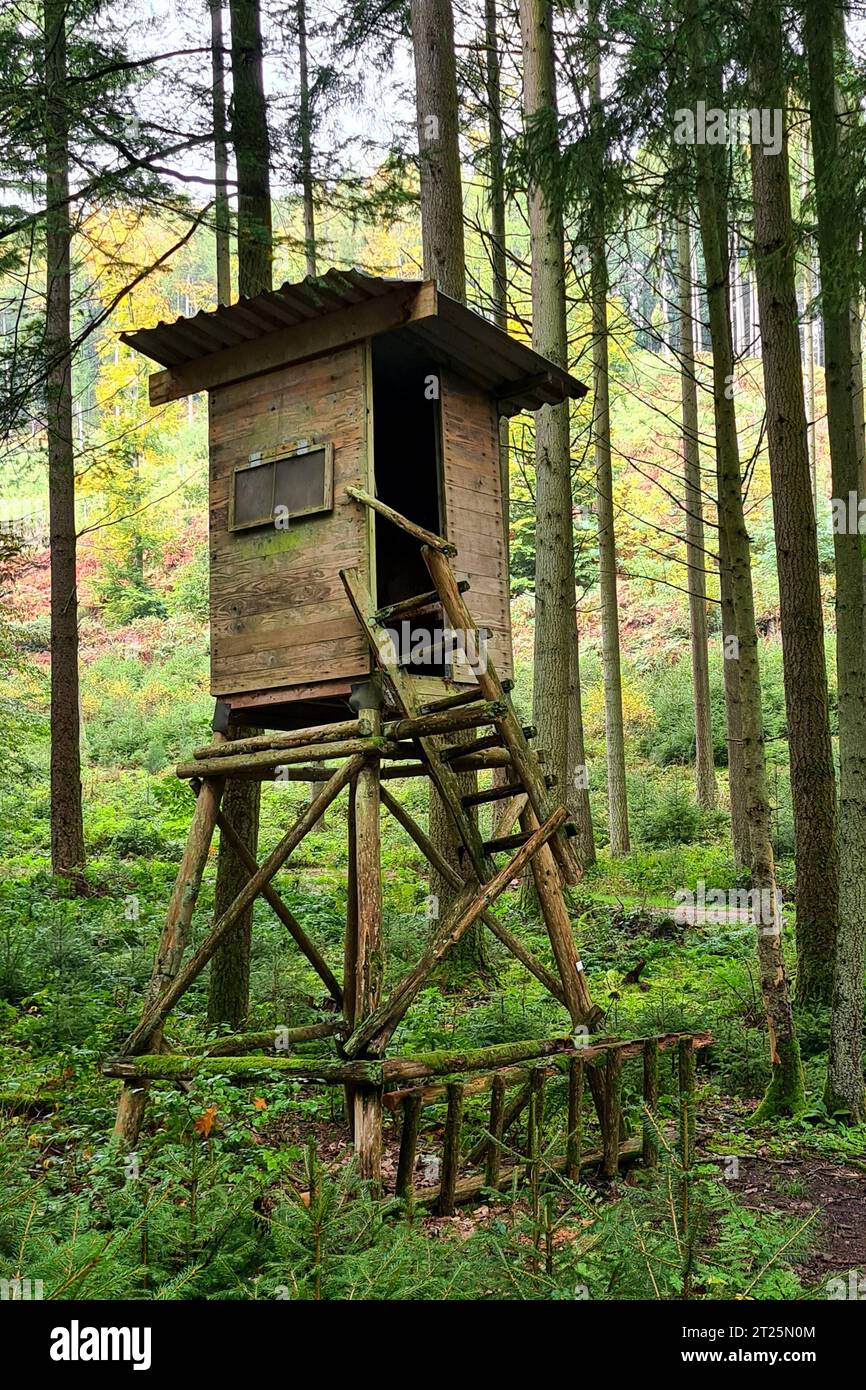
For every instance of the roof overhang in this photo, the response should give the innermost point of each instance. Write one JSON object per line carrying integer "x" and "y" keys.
{"x": 322, "y": 314}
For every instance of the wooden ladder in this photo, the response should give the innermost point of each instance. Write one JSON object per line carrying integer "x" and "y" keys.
{"x": 527, "y": 776}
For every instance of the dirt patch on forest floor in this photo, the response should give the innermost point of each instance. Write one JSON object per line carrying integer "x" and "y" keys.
{"x": 798, "y": 1185}
{"x": 795, "y": 1186}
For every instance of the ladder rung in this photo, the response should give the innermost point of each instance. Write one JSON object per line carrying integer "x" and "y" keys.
{"x": 459, "y": 750}
{"x": 413, "y": 605}
{"x": 464, "y": 697}
{"x": 436, "y": 648}
{"x": 493, "y": 794}
{"x": 505, "y": 842}
{"x": 478, "y": 745}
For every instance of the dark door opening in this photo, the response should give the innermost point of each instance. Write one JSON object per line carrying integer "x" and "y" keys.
{"x": 406, "y": 451}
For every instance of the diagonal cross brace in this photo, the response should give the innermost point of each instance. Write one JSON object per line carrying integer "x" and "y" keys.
{"x": 140, "y": 1036}
{"x": 307, "y": 948}
{"x": 374, "y": 1032}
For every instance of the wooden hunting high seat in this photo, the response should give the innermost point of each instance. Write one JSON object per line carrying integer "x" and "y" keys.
{"x": 314, "y": 392}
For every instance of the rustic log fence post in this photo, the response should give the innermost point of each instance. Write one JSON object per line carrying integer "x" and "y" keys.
{"x": 451, "y": 1149}
{"x": 574, "y": 1139}
{"x": 494, "y": 1146}
{"x": 650, "y": 1150}
{"x": 612, "y": 1113}
{"x": 412, "y": 1107}
{"x": 686, "y": 1077}
{"x": 534, "y": 1129}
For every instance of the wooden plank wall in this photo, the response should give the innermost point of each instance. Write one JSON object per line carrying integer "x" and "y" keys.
{"x": 279, "y": 613}
{"x": 473, "y": 509}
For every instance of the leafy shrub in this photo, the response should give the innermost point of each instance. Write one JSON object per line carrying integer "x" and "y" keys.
{"x": 32, "y": 634}
{"x": 189, "y": 594}
{"x": 670, "y": 818}
{"x": 671, "y": 739}
{"x": 147, "y": 714}
{"x": 126, "y": 595}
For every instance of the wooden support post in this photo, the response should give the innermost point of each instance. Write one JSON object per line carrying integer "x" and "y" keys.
{"x": 574, "y": 1140}
{"x": 350, "y": 943}
{"x": 451, "y": 1149}
{"x": 412, "y": 1107}
{"x": 181, "y": 982}
{"x": 552, "y": 903}
{"x": 612, "y": 1112}
{"x": 367, "y": 984}
{"x": 172, "y": 942}
{"x": 650, "y": 1099}
{"x": 494, "y": 1144}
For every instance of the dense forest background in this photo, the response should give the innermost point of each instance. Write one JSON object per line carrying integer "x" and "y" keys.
{"x": 142, "y": 182}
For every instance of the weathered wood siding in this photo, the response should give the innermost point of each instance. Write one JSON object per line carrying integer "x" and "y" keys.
{"x": 473, "y": 509}
{"x": 279, "y": 613}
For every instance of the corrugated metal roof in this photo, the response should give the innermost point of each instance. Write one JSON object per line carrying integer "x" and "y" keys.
{"x": 455, "y": 336}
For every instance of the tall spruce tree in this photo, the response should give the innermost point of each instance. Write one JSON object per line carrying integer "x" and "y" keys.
{"x": 228, "y": 996}
{"x": 617, "y": 795}
{"x": 554, "y": 549}
{"x": 67, "y": 826}
{"x": 813, "y": 776}
{"x": 706, "y": 791}
{"x": 785, "y": 1093}
{"x": 837, "y": 245}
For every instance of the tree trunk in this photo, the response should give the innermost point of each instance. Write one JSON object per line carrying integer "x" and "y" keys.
{"x": 229, "y": 986}
{"x": 442, "y": 241}
{"x": 498, "y": 265}
{"x": 785, "y": 1094}
{"x": 576, "y": 793}
{"x": 617, "y": 812}
{"x": 252, "y": 149}
{"x": 813, "y": 776}
{"x": 222, "y": 216}
{"x": 706, "y": 791}
{"x": 305, "y": 126}
{"x": 837, "y": 241}
{"x": 438, "y": 145}
{"x": 554, "y": 549}
{"x": 733, "y": 720}
{"x": 496, "y": 233}
{"x": 809, "y": 331}
{"x": 67, "y": 826}
{"x": 228, "y": 1000}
